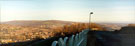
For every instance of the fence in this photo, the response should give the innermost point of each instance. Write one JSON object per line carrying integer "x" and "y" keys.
{"x": 75, "y": 40}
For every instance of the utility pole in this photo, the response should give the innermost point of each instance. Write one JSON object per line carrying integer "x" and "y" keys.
{"x": 90, "y": 19}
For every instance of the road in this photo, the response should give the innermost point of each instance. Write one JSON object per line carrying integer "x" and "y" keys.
{"x": 123, "y": 37}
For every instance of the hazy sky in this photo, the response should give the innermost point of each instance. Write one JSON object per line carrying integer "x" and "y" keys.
{"x": 69, "y": 10}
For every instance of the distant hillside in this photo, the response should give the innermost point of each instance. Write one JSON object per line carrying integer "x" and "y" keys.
{"x": 113, "y": 26}
{"x": 20, "y": 31}
{"x": 131, "y": 25}
{"x": 37, "y": 22}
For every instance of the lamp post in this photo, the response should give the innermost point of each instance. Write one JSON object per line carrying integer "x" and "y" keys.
{"x": 90, "y": 19}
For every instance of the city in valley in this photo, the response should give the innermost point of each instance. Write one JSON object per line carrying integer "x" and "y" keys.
{"x": 28, "y": 30}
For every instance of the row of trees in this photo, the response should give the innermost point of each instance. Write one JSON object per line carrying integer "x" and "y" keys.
{"x": 76, "y": 27}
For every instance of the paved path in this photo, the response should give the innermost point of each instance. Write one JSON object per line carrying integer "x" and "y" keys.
{"x": 124, "y": 37}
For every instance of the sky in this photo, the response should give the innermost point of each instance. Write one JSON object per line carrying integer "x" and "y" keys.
{"x": 113, "y": 11}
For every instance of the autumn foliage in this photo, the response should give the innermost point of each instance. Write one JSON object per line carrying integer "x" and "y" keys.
{"x": 131, "y": 25}
{"x": 76, "y": 28}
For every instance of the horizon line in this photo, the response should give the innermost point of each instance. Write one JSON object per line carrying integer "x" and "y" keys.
{"x": 68, "y": 20}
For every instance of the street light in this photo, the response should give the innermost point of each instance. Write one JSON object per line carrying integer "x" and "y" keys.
{"x": 90, "y": 19}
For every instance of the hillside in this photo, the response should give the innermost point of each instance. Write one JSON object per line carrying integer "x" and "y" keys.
{"x": 131, "y": 25}
{"x": 37, "y": 22}
{"x": 113, "y": 26}
{"x": 22, "y": 30}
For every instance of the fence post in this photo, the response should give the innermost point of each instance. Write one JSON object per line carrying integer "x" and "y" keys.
{"x": 61, "y": 42}
{"x": 75, "y": 40}
{"x": 65, "y": 40}
{"x": 54, "y": 43}
{"x": 71, "y": 39}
